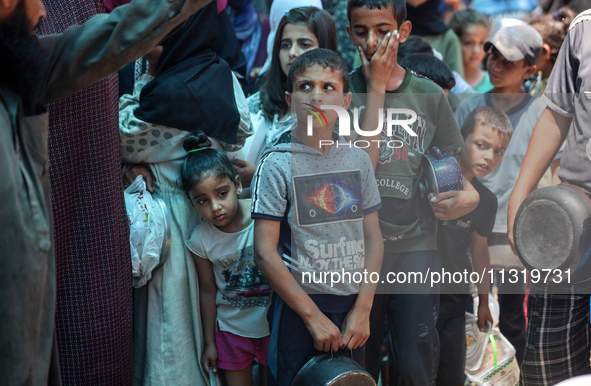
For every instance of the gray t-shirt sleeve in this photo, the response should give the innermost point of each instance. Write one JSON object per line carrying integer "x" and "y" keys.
{"x": 562, "y": 84}
{"x": 270, "y": 185}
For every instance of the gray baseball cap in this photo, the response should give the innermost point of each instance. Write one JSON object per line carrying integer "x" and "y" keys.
{"x": 517, "y": 42}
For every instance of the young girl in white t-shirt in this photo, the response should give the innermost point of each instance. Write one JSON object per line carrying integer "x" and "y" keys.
{"x": 233, "y": 293}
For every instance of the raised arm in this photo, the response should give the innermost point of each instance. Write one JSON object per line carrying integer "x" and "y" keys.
{"x": 87, "y": 53}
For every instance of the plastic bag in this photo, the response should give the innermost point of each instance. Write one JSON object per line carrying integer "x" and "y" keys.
{"x": 147, "y": 226}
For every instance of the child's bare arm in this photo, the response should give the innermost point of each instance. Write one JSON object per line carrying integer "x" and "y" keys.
{"x": 325, "y": 333}
{"x": 481, "y": 263}
{"x": 207, "y": 294}
{"x": 356, "y": 325}
{"x": 455, "y": 203}
{"x": 549, "y": 133}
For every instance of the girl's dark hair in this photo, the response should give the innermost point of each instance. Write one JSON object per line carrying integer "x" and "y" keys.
{"x": 464, "y": 18}
{"x": 203, "y": 163}
{"x": 553, "y": 28}
{"x": 322, "y": 25}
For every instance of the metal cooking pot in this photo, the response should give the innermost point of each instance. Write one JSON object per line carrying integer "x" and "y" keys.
{"x": 334, "y": 369}
{"x": 441, "y": 173}
{"x": 553, "y": 230}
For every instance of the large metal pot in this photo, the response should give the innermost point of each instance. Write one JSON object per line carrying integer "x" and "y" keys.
{"x": 552, "y": 230}
{"x": 332, "y": 369}
{"x": 441, "y": 173}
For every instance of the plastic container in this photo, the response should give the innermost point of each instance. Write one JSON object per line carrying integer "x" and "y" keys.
{"x": 475, "y": 343}
{"x": 505, "y": 372}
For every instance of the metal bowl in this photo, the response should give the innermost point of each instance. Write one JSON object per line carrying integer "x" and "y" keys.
{"x": 330, "y": 369}
{"x": 441, "y": 173}
{"x": 553, "y": 230}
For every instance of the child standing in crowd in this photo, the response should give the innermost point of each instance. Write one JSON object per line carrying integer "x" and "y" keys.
{"x": 428, "y": 24}
{"x": 233, "y": 293}
{"x": 553, "y": 28}
{"x": 512, "y": 56}
{"x": 315, "y": 208}
{"x": 433, "y": 68}
{"x": 558, "y": 330}
{"x": 154, "y": 122}
{"x": 486, "y": 132}
{"x": 300, "y": 30}
{"x": 472, "y": 29}
{"x": 407, "y": 220}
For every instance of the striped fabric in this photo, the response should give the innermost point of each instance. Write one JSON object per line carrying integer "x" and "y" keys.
{"x": 558, "y": 339}
{"x": 94, "y": 297}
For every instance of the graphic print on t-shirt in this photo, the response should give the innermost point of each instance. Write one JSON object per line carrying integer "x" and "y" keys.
{"x": 244, "y": 280}
{"x": 328, "y": 197}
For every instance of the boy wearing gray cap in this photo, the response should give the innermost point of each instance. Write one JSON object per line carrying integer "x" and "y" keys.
{"x": 512, "y": 56}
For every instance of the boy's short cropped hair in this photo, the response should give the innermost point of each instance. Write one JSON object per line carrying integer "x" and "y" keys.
{"x": 398, "y": 7}
{"x": 431, "y": 67}
{"x": 321, "y": 57}
{"x": 413, "y": 45}
{"x": 488, "y": 116}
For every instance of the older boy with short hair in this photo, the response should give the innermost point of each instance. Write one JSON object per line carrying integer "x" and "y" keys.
{"x": 407, "y": 220}
{"x": 315, "y": 202}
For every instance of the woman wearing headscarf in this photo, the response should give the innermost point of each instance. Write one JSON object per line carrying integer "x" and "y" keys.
{"x": 428, "y": 24}
{"x": 192, "y": 90}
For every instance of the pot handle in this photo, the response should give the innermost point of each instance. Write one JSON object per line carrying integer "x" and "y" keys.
{"x": 436, "y": 153}
{"x": 332, "y": 354}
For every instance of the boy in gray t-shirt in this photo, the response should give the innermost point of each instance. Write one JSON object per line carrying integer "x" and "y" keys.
{"x": 315, "y": 203}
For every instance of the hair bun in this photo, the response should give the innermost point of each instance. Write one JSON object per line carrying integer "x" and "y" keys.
{"x": 196, "y": 140}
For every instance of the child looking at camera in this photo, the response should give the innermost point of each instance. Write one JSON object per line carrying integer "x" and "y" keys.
{"x": 234, "y": 295}
{"x": 486, "y": 132}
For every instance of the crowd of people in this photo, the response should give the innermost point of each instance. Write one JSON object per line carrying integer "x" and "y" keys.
{"x": 234, "y": 113}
